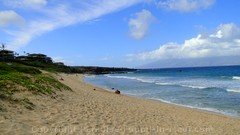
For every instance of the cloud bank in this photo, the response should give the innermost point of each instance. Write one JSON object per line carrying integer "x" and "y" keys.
{"x": 53, "y": 16}
{"x": 139, "y": 25}
{"x": 42, "y": 16}
{"x": 25, "y": 3}
{"x": 185, "y": 5}
{"x": 224, "y": 41}
{"x": 10, "y": 17}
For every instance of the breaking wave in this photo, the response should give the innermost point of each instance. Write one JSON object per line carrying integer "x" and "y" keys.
{"x": 236, "y": 78}
{"x": 157, "y": 83}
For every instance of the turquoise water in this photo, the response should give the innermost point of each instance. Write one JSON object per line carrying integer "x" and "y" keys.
{"x": 214, "y": 89}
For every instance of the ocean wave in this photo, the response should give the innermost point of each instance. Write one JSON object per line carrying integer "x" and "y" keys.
{"x": 157, "y": 83}
{"x": 120, "y": 77}
{"x": 236, "y": 77}
{"x": 131, "y": 78}
{"x": 182, "y": 85}
{"x": 234, "y": 90}
{"x": 164, "y": 83}
{"x": 226, "y": 77}
{"x": 130, "y": 72}
{"x": 225, "y": 112}
{"x": 141, "y": 80}
{"x": 195, "y": 87}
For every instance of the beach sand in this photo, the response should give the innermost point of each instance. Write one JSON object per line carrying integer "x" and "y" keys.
{"x": 87, "y": 111}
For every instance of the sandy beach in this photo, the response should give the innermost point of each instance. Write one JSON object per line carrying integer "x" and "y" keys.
{"x": 88, "y": 111}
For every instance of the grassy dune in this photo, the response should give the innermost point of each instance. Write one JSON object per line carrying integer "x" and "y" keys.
{"x": 16, "y": 78}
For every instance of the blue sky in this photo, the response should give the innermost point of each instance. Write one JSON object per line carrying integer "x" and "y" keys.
{"x": 125, "y": 33}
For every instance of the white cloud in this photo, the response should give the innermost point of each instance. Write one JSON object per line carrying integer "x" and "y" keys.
{"x": 58, "y": 59}
{"x": 225, "y": 41}
{"x": 35, "y": 3}
{"x": 9, "y": 17}
{"x": 139, "y": 25}
{"x": 25, "y": 3}
{"x": 64, "y": 14}
{"x": 185, "y": 5}
{"x": 51, "y": 15}
{"x": 65, "y": 60}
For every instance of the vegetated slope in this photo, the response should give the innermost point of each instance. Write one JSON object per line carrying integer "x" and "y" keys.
{"x": 17, "y": 78}
{"x": 51, "y": 67}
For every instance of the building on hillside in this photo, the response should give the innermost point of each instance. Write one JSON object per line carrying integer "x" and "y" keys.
{"x": 6, "y": 55}
{"x": 48, "y": 60}
{"x": 22, "y": 58}
{"x": 39, "y": 57}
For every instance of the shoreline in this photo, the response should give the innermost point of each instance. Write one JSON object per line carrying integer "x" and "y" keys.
{"x": 87, "y": 111}
{"x": 169, "y": 103}
{"x": 166, "y": 102}
{"x": 198, "y": 110}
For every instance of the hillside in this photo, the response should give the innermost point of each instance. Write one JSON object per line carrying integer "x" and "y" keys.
{"x": 17, "y": 78}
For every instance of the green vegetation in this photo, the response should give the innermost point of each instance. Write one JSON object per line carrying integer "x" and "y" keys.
{"x": 24, "y": 73}
{"x": 15, "y": 77}
{"x": 51, "y": 67}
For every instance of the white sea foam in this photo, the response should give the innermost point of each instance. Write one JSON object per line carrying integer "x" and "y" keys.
{"x": 236, "y": 77}
{"x": 188, "y": 86}
{"x": 153, "y": 81}
{"x": 121, "y": 77}
{"x": 194, "y": 87}
{"x": 164, "y": 83}
{"x": 234, "y": 90}
{"x": 130, "y": 72}
{"x": 90, "y": 76}
{"x": 132, "y": 78}
{"x": 145, "y": 80}
{"x": 225, "y": 112}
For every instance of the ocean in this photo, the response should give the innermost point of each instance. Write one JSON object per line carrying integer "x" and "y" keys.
{"x": 215, "y": 89}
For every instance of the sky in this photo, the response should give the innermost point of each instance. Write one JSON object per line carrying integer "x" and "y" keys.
{"x": 124, "y": 33}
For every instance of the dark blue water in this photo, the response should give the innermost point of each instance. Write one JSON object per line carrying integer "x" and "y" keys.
{"x": 210, "y": 88}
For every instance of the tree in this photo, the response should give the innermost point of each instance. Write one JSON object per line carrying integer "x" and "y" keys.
{"x": 3, "y": 46}
{"x": 16, "y": 54}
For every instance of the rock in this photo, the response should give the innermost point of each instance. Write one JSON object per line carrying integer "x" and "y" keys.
{"x": 117, "y": 92}
{"x": 94, "y": 89}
